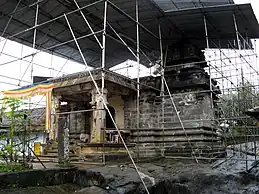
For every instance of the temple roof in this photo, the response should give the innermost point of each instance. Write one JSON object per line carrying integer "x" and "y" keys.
{"x": 76, "y": 79}
{"x": 179, "y": 20}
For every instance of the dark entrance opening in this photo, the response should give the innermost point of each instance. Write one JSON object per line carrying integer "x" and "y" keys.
{"x": 109, "y": 123}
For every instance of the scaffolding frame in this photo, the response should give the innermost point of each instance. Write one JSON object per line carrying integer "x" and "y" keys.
{"x": 213, "y": 69}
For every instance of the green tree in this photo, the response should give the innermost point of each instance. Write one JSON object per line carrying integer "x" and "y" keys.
{"x": 234, "y": 105}
{"x": 15, "y": 117}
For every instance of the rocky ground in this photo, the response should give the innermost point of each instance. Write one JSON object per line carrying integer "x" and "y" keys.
{"x": 167, "y": 176}
{"x": 163, "y": 176}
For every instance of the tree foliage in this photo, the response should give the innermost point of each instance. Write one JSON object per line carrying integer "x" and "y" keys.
{"x": 235, "y": 105}
{"x": 16, "y": 120}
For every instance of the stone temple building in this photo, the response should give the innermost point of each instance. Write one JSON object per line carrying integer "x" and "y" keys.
{"x": 79, "y": 116}
{"x": 177, "y": 121}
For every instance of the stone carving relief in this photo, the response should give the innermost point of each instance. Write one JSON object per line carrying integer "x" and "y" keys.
{"x": 66, "y": 145}
{"x": 188, "y": 100}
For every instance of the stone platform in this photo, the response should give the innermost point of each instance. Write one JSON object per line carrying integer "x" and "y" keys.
{"x": 89, "y": 152}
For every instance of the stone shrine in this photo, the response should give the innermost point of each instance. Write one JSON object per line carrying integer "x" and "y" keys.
{"x": 160, "y": 132}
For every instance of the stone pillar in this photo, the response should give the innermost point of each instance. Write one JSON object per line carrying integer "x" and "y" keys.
{"x": 98, "y": 116}
{"x": 73, "y": 118}
{"x": 63, "y": 140}
{"x": 54, "y": 118}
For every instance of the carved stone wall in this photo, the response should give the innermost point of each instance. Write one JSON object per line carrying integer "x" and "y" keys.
{"x": 196, "y": 111}
{"x": 79, "y": 121}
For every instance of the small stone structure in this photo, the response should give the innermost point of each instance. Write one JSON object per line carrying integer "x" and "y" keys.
{"x": 160, "y": 131}
{"x": 91, "y": 130}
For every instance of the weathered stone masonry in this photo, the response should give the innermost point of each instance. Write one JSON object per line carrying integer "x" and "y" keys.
{"x": 160, "y": 131}
{"x": 190, "y": 87}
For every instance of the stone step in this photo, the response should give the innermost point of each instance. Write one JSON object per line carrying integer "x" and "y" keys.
{"x": 46, "y": 159}
{"x": 98, "y": 157}
{"x": 189, "y": 154}
{"x": 160, "y": 139}
{"x": 54, "y": 160}
{"x": 89, "y": 157}
{"x": 52, "y": 151}
{"x": 177, "y": 132}
{"x": 55, "y": 147}
{"x": 55, "y": 155}
{"x": 195, "y": 149}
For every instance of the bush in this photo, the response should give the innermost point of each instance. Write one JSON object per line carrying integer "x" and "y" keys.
{"x": 12, "y": 167}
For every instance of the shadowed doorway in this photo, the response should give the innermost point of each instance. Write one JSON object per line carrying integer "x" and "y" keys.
{"x": 109, "y": 123}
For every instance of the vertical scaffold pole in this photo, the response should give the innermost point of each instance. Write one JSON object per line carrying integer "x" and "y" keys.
{"x": 138, "y": 85}
{"x": 242, "y": 79}
{"x": 210, "y": 81}
{"x": 255, "y": 151}
{"x": 103, "y": 65}
{"x": 104, "y": 42}
{"x": 33, "y": 46}
{"x": 208, "y": 46}
{"x": 206, "y": 32}
{"x": 237, "y": 35}
{"x": 106, "y": 106}
{"x": 34, "y": 36}
{"x": 162, "y": 93}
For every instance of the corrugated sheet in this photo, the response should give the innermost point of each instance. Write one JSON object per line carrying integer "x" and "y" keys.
{"x": 180, "y": 24}
{"x": 175, "y": 5}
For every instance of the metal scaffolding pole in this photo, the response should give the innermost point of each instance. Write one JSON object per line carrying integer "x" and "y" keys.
{"x": 20, "y": 72}
{"x": 103, "y": 67}
{"x": 237, "y": 34}
{"x": 210, "y": 81}
{"x": 242, "y": 57}
{"x": 162, "y": 87}
{"x": 88, "y": 24}
{"x": 105, "y": 105}
{"x": 212, "y": 60}
{"x": 34, "y": 36}
{"x": 52, "y": 20}
{"x": 180, "y": 120}
{"x": 242, "y": 79}
{"x": 104, "y": 42}
{"x": 236, "y": 86}
{"x": 206, "y": 31}
{"x": 132, "y": 19}
{"x": 6, "y": 26}
{"x": 21, "y": 59}
{"x": 208, "y": 46}
{"x": 138, "y": 85}
{"x": 49, "y": 48}
{"x": 122, "y": 41}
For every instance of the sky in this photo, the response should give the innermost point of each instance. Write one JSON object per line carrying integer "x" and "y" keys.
{"x": 15, "y": 73}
